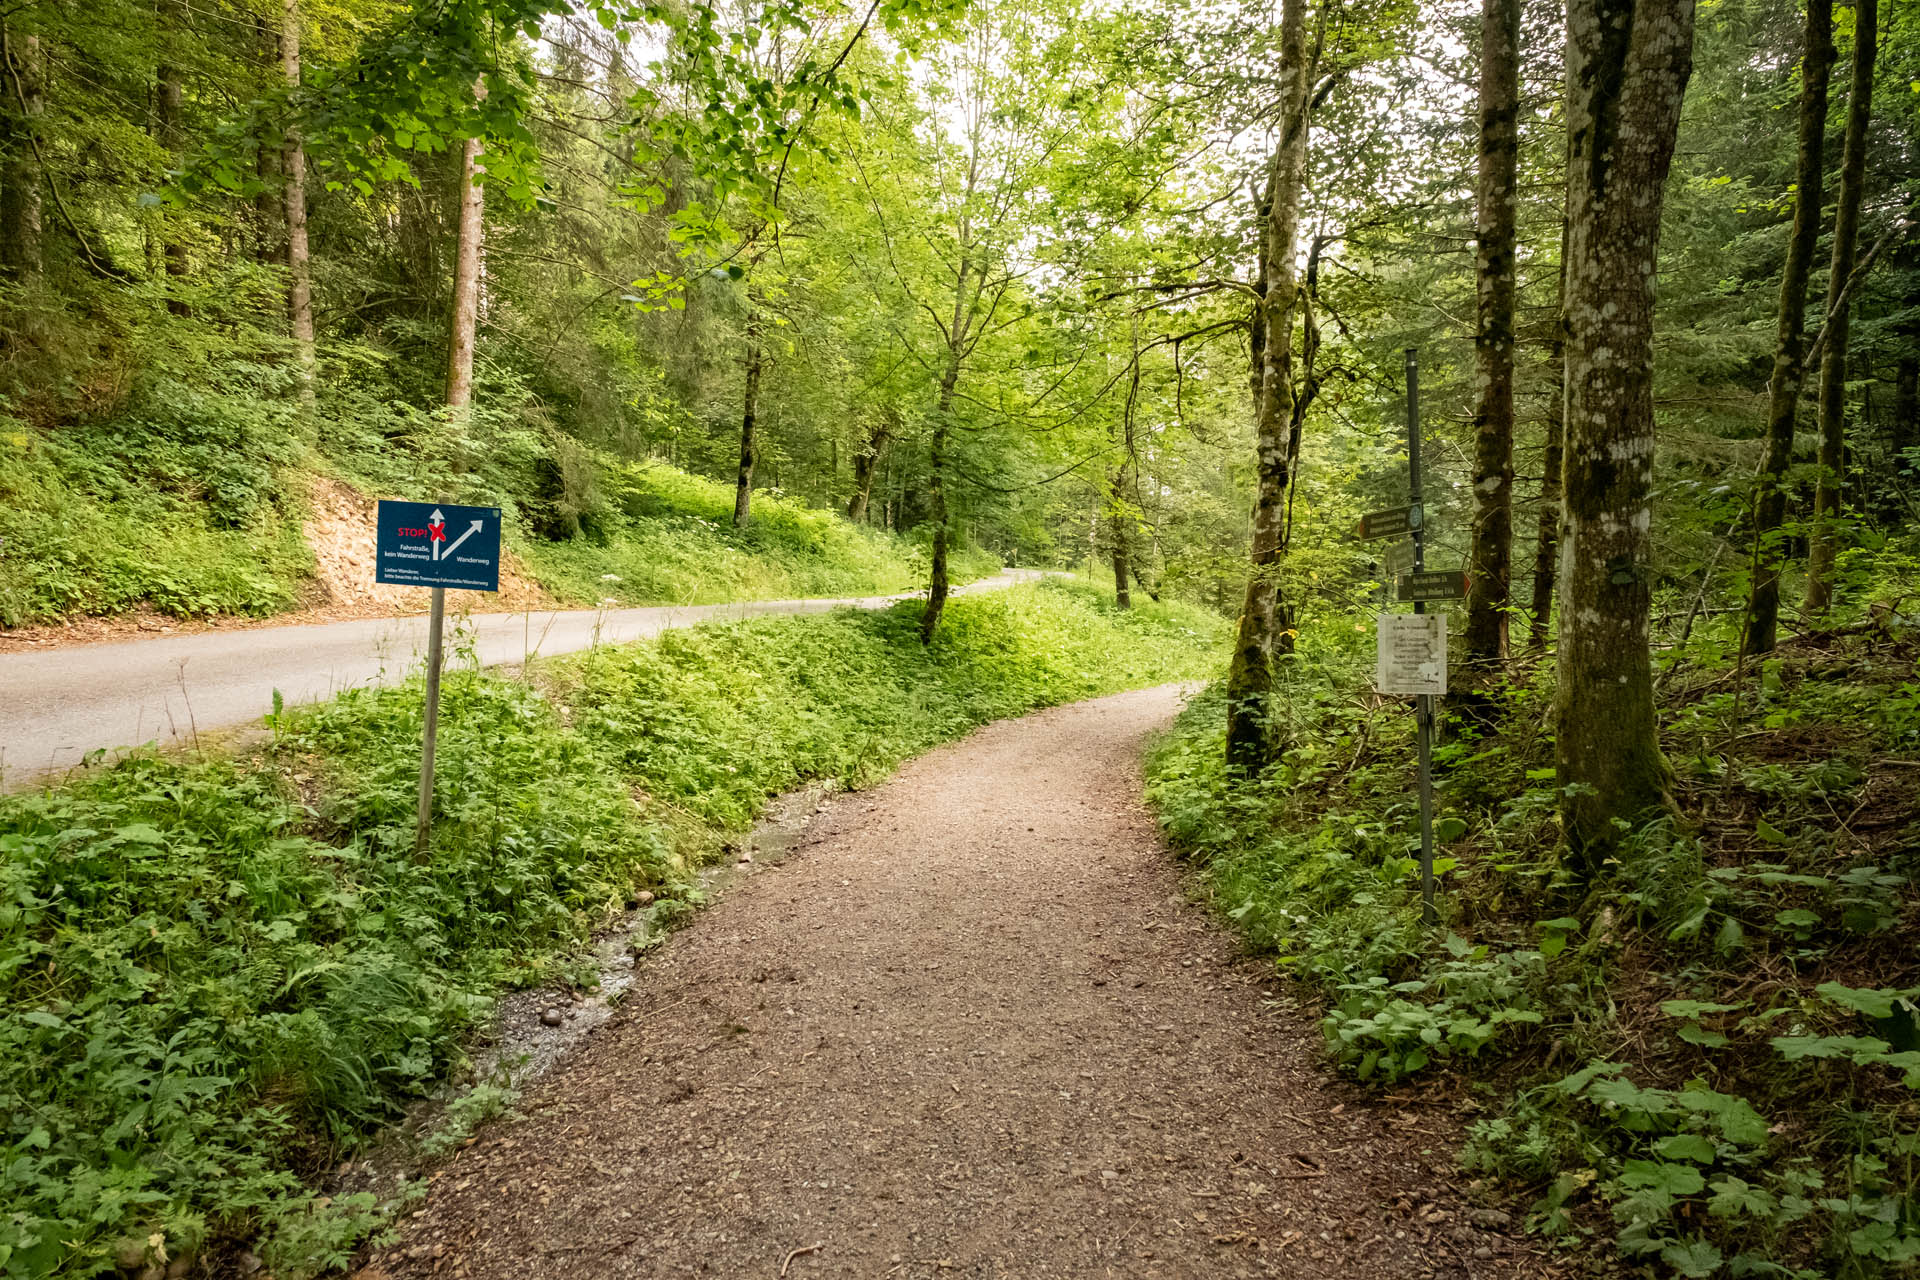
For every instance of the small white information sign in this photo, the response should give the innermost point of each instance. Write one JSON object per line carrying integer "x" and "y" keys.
{"x": 1413, "y": 653}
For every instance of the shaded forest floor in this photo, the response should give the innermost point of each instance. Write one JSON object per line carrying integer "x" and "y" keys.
{"x": 973, "y": 1027}
{"x": 1706, "y": 1060}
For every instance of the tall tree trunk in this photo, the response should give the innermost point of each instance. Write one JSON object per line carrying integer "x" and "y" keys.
{"x": 466, "y": 274}
{"x": 937, "y": 488}
{"x": 168, "y": 103}
{"x": 1783, "y": 388}
{"x": 750, "y": 408}
{"x": 1546, "y": 546}
{"x": 20, "y": 239}
{"x": 1251, "y": 743}
{"x": 1628, "y": 62}
{"x": 966, "y": 276}
{"x": 1120, "y": 550}
{"x": 865, "y": 462}
{"x": 1903, "y": 424}
{"x": 1491, "y": 560}
{"x": 1833, "y": 365}
{"x": 294, "y": 161}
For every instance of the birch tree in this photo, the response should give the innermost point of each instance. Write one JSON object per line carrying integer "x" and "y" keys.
{"x": 1628, "y": 62}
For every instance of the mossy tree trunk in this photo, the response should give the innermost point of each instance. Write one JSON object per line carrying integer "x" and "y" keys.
{"x": 754, "y": 358}
{"x": 1262, "y": 636}
{"x": 169, "y": 103}
{"x": 866, "y": 461}
{"x": 1789, "y": 348}
{"x": 1833, "y": 365}
{"x": 1628, "y": 62}
{"x": 1490, "y": 561}
{"x": 21, "y": 253}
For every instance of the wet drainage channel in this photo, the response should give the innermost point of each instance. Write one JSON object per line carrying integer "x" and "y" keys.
{"x": 534, "y": 1029}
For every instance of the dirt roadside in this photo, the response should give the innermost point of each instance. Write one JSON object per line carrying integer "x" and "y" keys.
{"x": 972, "y": 1028}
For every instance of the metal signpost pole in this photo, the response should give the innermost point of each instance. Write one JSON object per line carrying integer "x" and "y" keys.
{"x": 416, "y": 545}
{"x": 1423, "y": 703}
{"x": 436, "y": 620}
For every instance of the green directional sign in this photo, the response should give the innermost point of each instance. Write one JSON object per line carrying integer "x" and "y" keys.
{"x": 1389, "y": 524}
{"x": 1433, "y": 584}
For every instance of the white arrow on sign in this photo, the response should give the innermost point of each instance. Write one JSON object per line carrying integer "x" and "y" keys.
{"x": 471, "y": 530}
{"x": 435, "y": 519}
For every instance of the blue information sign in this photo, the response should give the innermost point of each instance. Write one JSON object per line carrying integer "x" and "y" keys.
{"x": 436, "y": 544}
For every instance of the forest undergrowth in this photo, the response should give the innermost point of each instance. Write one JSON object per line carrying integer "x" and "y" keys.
{"x": 1708, "y": 1056}
{"x": 220, "y": 974}
{"x": 189, "y": 496}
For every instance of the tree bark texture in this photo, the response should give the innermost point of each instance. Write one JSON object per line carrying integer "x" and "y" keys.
{"x": 1490, "y": 561}
{"x": 937, "y": 492}
{"x": 967, "y": 276}
{"x": 466, "y": 277}
{"x": 20, "y": 235}
{"x": 1259, "y": 638}
{"x": 1789, "y": 348}
{"x": 865, "y": 462}
{"x": 750, "y": 408}
{"x": 169, "y": 99}
{"x": 1833, "y": 365}
{"x": 299, "y": 263}
{"x": 1628, "y": 62}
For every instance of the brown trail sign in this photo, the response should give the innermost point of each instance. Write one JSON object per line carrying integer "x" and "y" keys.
{"x": 1390, "y": 523}
{"x": 1432, "y": 584}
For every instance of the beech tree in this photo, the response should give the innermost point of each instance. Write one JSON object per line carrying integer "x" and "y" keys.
{"x": 1628, "y": 62}
{"x": 1263, "y": 632}
{"x": 1491, "y": 559}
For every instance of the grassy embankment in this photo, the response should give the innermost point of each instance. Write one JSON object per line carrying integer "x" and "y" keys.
{"x": 196, "y": 517}
{"x": 221, "y": 974}
{"x": 1708, "y": 1058}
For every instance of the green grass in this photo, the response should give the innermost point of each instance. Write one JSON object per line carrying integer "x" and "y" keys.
{"x": 663, "y": 536}
{"x": 98, "y": 521}
{"x": 220, "y": 974}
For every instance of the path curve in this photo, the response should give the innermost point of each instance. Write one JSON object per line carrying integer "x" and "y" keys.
{"x": 970, "y": 1027}
{"x": 57, "y": 705}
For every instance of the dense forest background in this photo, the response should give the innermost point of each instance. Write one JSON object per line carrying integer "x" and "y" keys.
{"x": 1034, "y": 231}
{"x": 782, "y": 298}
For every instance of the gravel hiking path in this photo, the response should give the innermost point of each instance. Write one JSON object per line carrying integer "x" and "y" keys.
{"x": 969, "y": 1027}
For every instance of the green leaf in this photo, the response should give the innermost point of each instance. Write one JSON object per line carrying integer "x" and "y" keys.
{"x": 1733, "y": 1197}
{"x": 1686, "y": 1146}
{"x": 1874, "y": 1003}
{"x": 1855, "y": 1048}
{"x": 1693, "y": 1258}
{"x": 141, "y": 833}
{"x": 1655, "y": 1175}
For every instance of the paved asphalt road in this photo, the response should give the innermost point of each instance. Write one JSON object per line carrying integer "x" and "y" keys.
{"x": 59, "y": 704}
